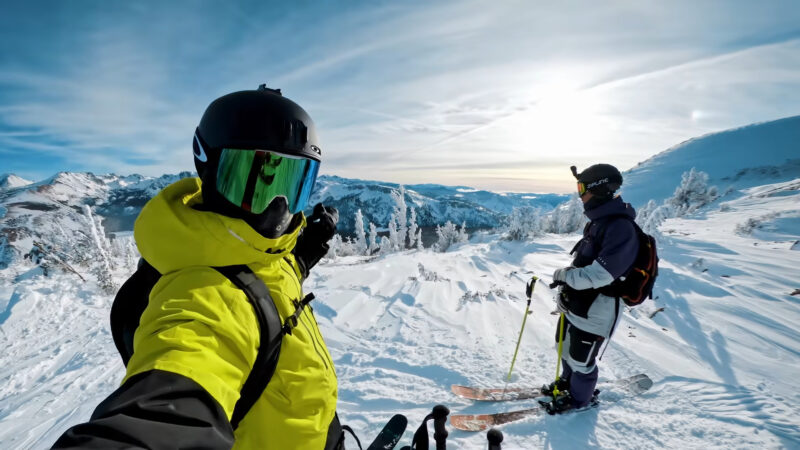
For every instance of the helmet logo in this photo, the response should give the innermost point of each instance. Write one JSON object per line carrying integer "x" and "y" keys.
{"x": 316, "y": 150}
{"x": 199, "y": 151}
{"x": 597, "y": 183}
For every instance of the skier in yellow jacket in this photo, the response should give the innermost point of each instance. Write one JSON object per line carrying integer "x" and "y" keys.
{"x": 257, "y": 157}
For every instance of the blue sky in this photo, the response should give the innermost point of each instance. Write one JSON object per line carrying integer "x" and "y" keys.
{"x": 499, "y": 95}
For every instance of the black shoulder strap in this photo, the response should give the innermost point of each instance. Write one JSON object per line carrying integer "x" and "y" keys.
{"x": 129, "y": 304}
{"x": 269, "y": 322}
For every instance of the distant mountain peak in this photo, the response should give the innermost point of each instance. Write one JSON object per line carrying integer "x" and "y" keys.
{"x": 11, "y": 181}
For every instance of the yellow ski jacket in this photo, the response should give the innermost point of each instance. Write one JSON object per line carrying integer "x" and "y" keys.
{"x": 199, "y": 329}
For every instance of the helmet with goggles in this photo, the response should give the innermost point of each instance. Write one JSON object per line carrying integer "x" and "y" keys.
{"x": 252, "y": 147}
{"x": 602, "y": 180}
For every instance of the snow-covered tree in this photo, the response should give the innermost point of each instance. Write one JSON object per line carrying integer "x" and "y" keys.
{"x": 373, "y": 238}
{"x": 693, "y": 193}
{"x": 394, "y": 235}
{"x": 652, "y": 215}
{"x": 400, "y": 215}
{"x": 567, "y": 217}
{"x": 412, "y": 229}
{"x": 524, "y": 222}
{"x": 449, "y": 234}
{"x": 361, "y": 236}
{"x": 103, "y": 265}
{"x": 385, "y": 246}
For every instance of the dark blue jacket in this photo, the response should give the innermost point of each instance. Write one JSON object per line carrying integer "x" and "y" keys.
{"x": 611, "y": 240}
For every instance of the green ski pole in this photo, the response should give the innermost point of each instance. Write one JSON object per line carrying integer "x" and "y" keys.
{"x": 529, "y": 291}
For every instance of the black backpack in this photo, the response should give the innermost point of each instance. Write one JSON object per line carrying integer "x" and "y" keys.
{"x": 134, "y": 295}
{"x": 638, "y": 282}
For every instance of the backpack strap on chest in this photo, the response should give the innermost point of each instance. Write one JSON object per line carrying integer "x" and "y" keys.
{"x": 269, "y": 323}
{"x": 128, "y": 306}
{"x": 134, "y": 295}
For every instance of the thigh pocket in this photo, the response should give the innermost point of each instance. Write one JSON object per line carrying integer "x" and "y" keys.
{"x": 583, "y": 346}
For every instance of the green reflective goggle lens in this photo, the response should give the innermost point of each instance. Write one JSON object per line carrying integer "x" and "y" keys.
{"x": 251, "y": 179}
{"x": 581, "y": 188}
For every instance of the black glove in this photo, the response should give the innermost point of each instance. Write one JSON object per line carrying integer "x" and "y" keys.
{"x": 312, "y": 244}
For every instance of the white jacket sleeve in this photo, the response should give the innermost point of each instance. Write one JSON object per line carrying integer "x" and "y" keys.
{"x": 593, "y": 276}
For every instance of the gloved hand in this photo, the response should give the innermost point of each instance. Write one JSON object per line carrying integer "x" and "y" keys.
{"x": 560, "y": 275}
{"x": 562, "y": 303}
{"x": 312, "y": 244}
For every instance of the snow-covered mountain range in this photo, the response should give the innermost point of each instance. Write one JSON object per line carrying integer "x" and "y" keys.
{"x": 720, "y": 339}
{"x": 435, "y": 204}
{"x": 28, "y": 210}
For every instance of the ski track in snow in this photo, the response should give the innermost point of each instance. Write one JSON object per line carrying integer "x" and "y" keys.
{"x": 402, "y": 328}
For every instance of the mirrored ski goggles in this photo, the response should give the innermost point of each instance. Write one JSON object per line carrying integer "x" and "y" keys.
{"x": 251, "y": 179}
{"x": 581, "y": 188}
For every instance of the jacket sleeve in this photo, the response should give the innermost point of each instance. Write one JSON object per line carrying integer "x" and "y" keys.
{"x": 153, "y": 410}
{"x": 194, "y": 348}
{"x": 617, "y": 253}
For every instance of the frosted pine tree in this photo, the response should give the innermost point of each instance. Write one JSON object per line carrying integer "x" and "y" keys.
{"x": 361, "y": 237}
{"x": 103, "y": 264}
{"x": 385, "y": 246}
{"x": 394, "y": 235}
{"x": 400, "y": 214}
{"x": 412, "y": 229}
{"x": 567, "y": 217}
{"x": 449, "y": 234}
{"x": 692, "y": 193}
{"x": 373, "y": 238}
{"x": 523, "y": 223}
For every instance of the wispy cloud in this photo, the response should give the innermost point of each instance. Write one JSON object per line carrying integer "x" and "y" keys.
{"x": 503, "y": 95}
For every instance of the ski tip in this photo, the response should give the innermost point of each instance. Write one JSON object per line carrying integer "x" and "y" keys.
{"x": 390, "y": 434}
{"x": 399, "y": 420}
{"x": 463, "y": 391}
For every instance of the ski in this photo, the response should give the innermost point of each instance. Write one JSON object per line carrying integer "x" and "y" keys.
{"x": 388, "y": 438}
{"x": 495, "y": 394}
{"x": 636, "y": 383}
{"x": 480, "y": 422}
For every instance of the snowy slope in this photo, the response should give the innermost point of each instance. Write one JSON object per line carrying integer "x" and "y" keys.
{"x": 733, "y": 159}
{"x": 723, "y": 353}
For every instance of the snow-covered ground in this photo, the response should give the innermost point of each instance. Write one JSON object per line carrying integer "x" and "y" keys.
{"x": 402, "y": 328}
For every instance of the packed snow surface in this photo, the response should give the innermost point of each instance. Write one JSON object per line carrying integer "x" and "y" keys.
{"x": 402, "y": 328}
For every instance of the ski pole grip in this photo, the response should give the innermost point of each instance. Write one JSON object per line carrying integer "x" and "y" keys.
{"x": 495, "y": 437}
{"x": 440, "y": 433}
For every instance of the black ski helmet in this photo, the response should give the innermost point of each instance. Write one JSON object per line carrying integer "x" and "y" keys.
{"x": 260, "y": 119}
{"x": 602, "y": 180}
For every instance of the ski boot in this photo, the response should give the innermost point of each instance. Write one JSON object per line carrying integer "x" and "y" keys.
{"x": 562, "y": 402}
{"x": 562, "y": 384}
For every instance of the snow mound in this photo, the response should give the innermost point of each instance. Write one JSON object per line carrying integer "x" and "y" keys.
{"x": 734, "y": 159}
